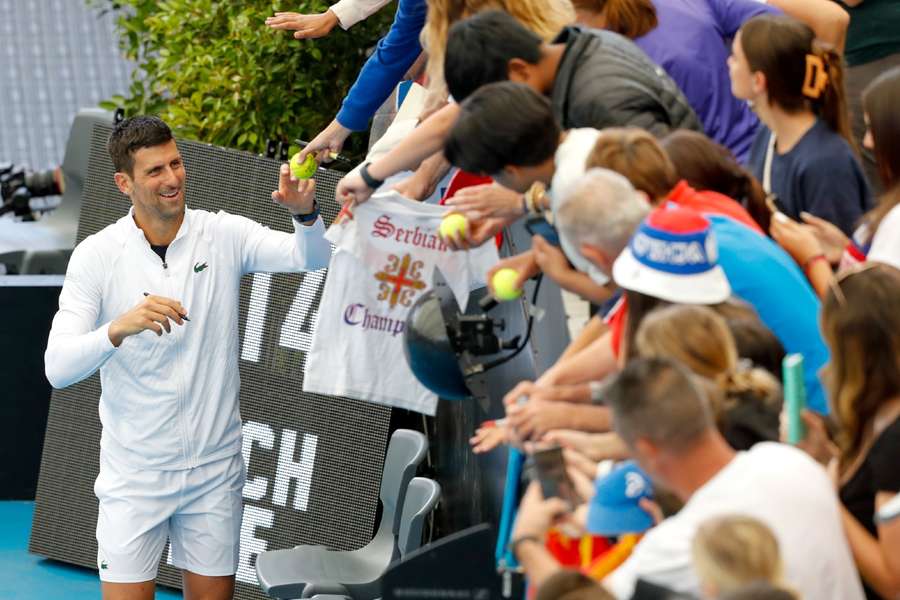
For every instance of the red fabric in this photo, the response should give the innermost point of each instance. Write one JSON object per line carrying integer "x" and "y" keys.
{"x": 615, "y": 319}
{"x": 463, "y": 179}
{"x": 677, "y": 219}
{"x": 855, "y": 253}
{"x": 712, "y": 203}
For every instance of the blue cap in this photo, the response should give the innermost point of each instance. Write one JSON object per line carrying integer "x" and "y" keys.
{"x": 615, "y": 508}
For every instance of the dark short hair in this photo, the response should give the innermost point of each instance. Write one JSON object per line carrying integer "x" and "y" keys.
{"x": 659, "y": 400}
{"x": 132, "y": 134}
{"x": 479, "y": 50}
{"x": 502, "y": 124}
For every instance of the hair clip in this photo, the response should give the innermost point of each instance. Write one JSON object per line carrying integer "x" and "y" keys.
{"x": 816, "y": 78}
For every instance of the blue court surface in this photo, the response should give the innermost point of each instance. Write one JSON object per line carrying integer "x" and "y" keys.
{"x": 24, "y": 575}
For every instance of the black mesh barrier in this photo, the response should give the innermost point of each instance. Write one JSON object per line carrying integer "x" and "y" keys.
{"x": 314, "y": 462}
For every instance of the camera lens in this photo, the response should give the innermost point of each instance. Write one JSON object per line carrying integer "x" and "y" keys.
{"x": 42, "y": 183}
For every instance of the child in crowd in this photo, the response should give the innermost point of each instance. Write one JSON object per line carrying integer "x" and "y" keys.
{"x": 732, "y": 551}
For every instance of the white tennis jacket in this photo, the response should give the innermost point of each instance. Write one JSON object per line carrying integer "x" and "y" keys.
{"x": 169, "y": 402}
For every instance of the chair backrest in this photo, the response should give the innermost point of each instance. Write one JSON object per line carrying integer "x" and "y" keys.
{"x": 421, "y": 497}
{"x": 405, "y": 451}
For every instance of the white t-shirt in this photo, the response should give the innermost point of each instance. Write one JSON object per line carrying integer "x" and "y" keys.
{"x": 385, "y": 260}
{"x": 782, "y": 487}
{"x": 886, "y": 243}
{"x": 351, "y": 12}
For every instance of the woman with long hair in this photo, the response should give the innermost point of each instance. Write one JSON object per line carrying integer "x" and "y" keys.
{"x": 699, "y": 338}
{"x": 878, "y": 237}
{"x": 708, "y": 166}
{"x": 804, "y": 156}
{"x": 861, "y": 325}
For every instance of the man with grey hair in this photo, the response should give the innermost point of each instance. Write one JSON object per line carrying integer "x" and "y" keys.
{"x": 595, "y": 216}
{"x": 595, "y": 220}
{"x": 662, "y": 412}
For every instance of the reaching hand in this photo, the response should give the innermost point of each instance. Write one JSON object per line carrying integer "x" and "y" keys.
{"x": 296, "y": 195}
{"x": 595, "y": 446}
{"x": 352, "y": 188}
{"x": 798, "y": 240}
{"x": 327, "y": 144}
{"x": 421, "y": 184}
{"x": 305, "y": 27}
{"x": 525, "y": 391}
{"x": 524, "y": 264}
{"x": 477, "y": 233}
{"x": 487, "y": 200}
{"x": 536, "y": 514}
{"x": 831, "y": 239}
{"x": 417, "y": 186}
{"x": 488, "y": 436}
{"x": 153, "y": 313}
{"x": 550, "y": 259}
{"x": 576, "y": 461}
{"x": 535, "y": 418}
{"x": 817, "y": 443}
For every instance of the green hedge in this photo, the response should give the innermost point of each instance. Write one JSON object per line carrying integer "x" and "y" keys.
{"x": 217, "y": 74}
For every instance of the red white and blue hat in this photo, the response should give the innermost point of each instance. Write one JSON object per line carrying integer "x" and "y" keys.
{"x": 673, "y": 256}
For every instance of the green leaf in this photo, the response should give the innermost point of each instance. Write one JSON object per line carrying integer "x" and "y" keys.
{"x": 217, "y": 74}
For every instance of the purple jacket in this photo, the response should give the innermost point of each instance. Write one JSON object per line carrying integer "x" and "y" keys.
{"x": 692, "y": 43}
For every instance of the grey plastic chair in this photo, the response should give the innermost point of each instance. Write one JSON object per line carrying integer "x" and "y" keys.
{"x": 310, "y": 570}
{"x": 421, "y": 498}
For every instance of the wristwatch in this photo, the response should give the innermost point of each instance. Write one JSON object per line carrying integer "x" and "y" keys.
{"x": 308, "y": 217}
{"x": 367, "y": 177}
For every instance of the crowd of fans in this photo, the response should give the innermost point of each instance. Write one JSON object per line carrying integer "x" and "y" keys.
{"x": 725, "y": 190}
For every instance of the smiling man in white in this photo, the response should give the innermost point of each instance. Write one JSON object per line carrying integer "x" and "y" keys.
{"x": 152, "y": 301}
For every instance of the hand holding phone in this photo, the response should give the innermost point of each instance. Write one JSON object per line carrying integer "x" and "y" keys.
{"x": 550, "y": 467}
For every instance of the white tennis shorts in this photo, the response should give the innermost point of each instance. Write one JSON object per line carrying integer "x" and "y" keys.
{"x": 199, "y": 509}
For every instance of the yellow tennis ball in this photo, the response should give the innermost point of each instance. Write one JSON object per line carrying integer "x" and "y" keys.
{"x": 504, "y": 282}
{"x": 306, "y": 169}
{"x": 454, "y": 226}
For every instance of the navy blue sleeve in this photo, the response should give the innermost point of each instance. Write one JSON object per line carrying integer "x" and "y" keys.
{"x": 833, "y": 188}
{"x": 731, "y": 14}
{"x": 394, "y": 55}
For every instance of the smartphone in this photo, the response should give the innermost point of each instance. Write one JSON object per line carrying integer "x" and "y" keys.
{"x": 538, "y": 225}
{"x": 774, "y": 204}
{"x": 550, "y": 468}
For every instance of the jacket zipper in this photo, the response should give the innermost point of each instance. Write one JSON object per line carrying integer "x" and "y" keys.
{"x": 182, "y": 409}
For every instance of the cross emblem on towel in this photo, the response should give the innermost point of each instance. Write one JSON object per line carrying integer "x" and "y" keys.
{"x": 400, "y": 280}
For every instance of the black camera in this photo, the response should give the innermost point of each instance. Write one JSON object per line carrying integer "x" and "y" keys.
{"x": 18, "y": 186}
